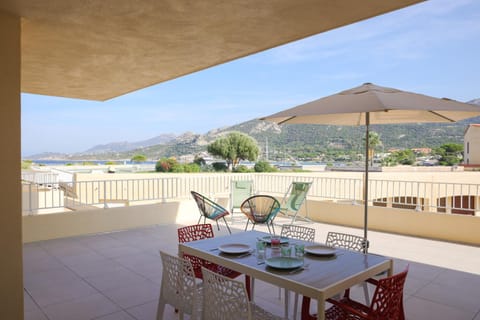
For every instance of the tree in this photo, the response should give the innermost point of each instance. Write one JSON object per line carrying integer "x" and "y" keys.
{"x": 373, "y": 142}
{"x": 233, "y": 148}
{"x": 450, "y": 154}
{"x": 139, "y": 158}
{"x": 406, "y": 157}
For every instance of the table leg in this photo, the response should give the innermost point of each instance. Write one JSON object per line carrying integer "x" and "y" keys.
{"x": 287, "y": 296}
{"x": 390, "y": 270}
{"x": 321, "y": 307}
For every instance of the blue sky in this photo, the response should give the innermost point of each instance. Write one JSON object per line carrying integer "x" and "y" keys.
{"x": 431, "y": 48}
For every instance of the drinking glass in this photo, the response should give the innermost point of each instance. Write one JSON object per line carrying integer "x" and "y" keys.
{"x": 299, "y": 250}
{"x": 286, "y": 251}
{"x": 260, "y": 251}
{"x": 275, "y": 241}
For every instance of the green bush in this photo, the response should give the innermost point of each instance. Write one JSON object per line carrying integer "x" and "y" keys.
{"x": 171, "y": 165}
{"x": 264, "y": 166}
{"x": 220, "y": 166}
{"x": 242, "y": 169}
{"x": 26, "y": 164}
{"x": 192, "y": 167}
{"x": 167, "y": 165}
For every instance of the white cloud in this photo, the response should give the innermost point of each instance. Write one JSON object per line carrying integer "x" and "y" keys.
{"x": 405, "y": 34}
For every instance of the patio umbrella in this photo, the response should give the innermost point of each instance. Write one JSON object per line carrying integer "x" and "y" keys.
{"x": 372, "y": 104}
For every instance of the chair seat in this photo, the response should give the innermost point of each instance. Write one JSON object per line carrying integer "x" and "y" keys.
{"x": 229, "y": 273}
{"x": 260, "y": 209}
{"x": 337, "y": 313}
{"x": 209, "y": 209}
{"x": 294, "y": 199}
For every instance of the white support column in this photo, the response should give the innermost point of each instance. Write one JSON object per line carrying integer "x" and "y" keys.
{"x": 11, "y": 273}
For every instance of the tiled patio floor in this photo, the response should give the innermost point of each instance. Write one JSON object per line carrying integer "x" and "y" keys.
{"x": 117, "y": 275}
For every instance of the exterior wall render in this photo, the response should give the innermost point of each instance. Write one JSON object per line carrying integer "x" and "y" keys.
{"x": 472, "y": 145}
{"x": 11, "y": 275}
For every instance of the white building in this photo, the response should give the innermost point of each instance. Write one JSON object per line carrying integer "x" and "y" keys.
{"x": 472, "y": 146}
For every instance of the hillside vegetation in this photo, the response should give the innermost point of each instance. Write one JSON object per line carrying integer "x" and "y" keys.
{"x": 301, "y": 141}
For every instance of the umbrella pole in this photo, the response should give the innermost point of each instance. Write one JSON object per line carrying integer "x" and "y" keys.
{"x": 365, "y": 188}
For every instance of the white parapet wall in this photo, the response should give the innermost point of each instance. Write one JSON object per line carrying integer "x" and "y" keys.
{"x": 447, "y": 227}
{"x": 60, "y": 225}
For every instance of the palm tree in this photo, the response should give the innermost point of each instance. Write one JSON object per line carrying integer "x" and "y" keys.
{"x": 373, "y": 142}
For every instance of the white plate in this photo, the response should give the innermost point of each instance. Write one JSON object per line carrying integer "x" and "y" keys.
{"x": 234, "y": 248}
{"x": 320, "y": 250}
{"x": 284, "y": 263}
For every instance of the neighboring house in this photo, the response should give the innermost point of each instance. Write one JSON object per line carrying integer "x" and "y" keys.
{"x": 471, "y": 146}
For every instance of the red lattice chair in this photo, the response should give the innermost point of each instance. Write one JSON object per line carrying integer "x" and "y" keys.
{"x": 387, "y": 302}
{"x": 199, "y": 232}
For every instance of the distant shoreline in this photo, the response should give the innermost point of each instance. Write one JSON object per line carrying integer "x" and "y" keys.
{"x": 59, "y": 162}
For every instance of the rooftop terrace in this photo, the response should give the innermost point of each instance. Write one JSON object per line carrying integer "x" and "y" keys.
{"x": 117, "y": 275}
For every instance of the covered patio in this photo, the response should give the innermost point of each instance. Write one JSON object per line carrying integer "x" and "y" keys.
{"x": 117, "y": 275}
{"x": 97, "y": 51}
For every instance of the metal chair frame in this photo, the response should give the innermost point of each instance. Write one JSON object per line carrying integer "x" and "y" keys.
{"x": 210, "y": 210}
{"x": 261, "y": 209}
{"x": 294, "y": 198}
{"x": 239, "y": 191}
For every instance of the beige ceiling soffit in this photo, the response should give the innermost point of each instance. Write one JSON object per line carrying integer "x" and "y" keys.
{"x": 98, "y": 50}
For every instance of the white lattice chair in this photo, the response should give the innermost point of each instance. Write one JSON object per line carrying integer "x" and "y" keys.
{"x": 179, "y": 288}
{"x": 349, "y": 242}
{"x": 226, "y": 299}
{"x": 300, "y": 233}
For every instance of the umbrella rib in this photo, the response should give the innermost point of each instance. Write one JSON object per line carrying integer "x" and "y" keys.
{"x": 286, "y": 120}
{"x": 441, "y": 116}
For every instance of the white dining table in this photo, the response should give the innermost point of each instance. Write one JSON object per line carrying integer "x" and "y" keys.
{"x": 325, "y": 276}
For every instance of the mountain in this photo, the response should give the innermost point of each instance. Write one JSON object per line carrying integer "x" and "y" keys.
{"x": 475, "y": 101}
{"x": 289, "y": 140}
{"x": 126, "y": 146}
{"x": 102, "y": 150}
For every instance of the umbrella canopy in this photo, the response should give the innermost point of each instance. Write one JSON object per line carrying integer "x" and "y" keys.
{"x": 385, "y": 106}
{"x": 372, "y": 104}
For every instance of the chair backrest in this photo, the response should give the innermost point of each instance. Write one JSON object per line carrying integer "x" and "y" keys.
{"x": 387, "y": 301}
{"x": 296, "y": 195}
{"x": 224, "y": 298}
{"x": 260, "y": 208}
{"x": 178, "y": 286}
{"x": 207, "y": 207}
{"x": 346, "y": 241}
{"x": 239, "y": 191}
{"x": 298, "y": 232}
{"x": 195, "y": 232}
